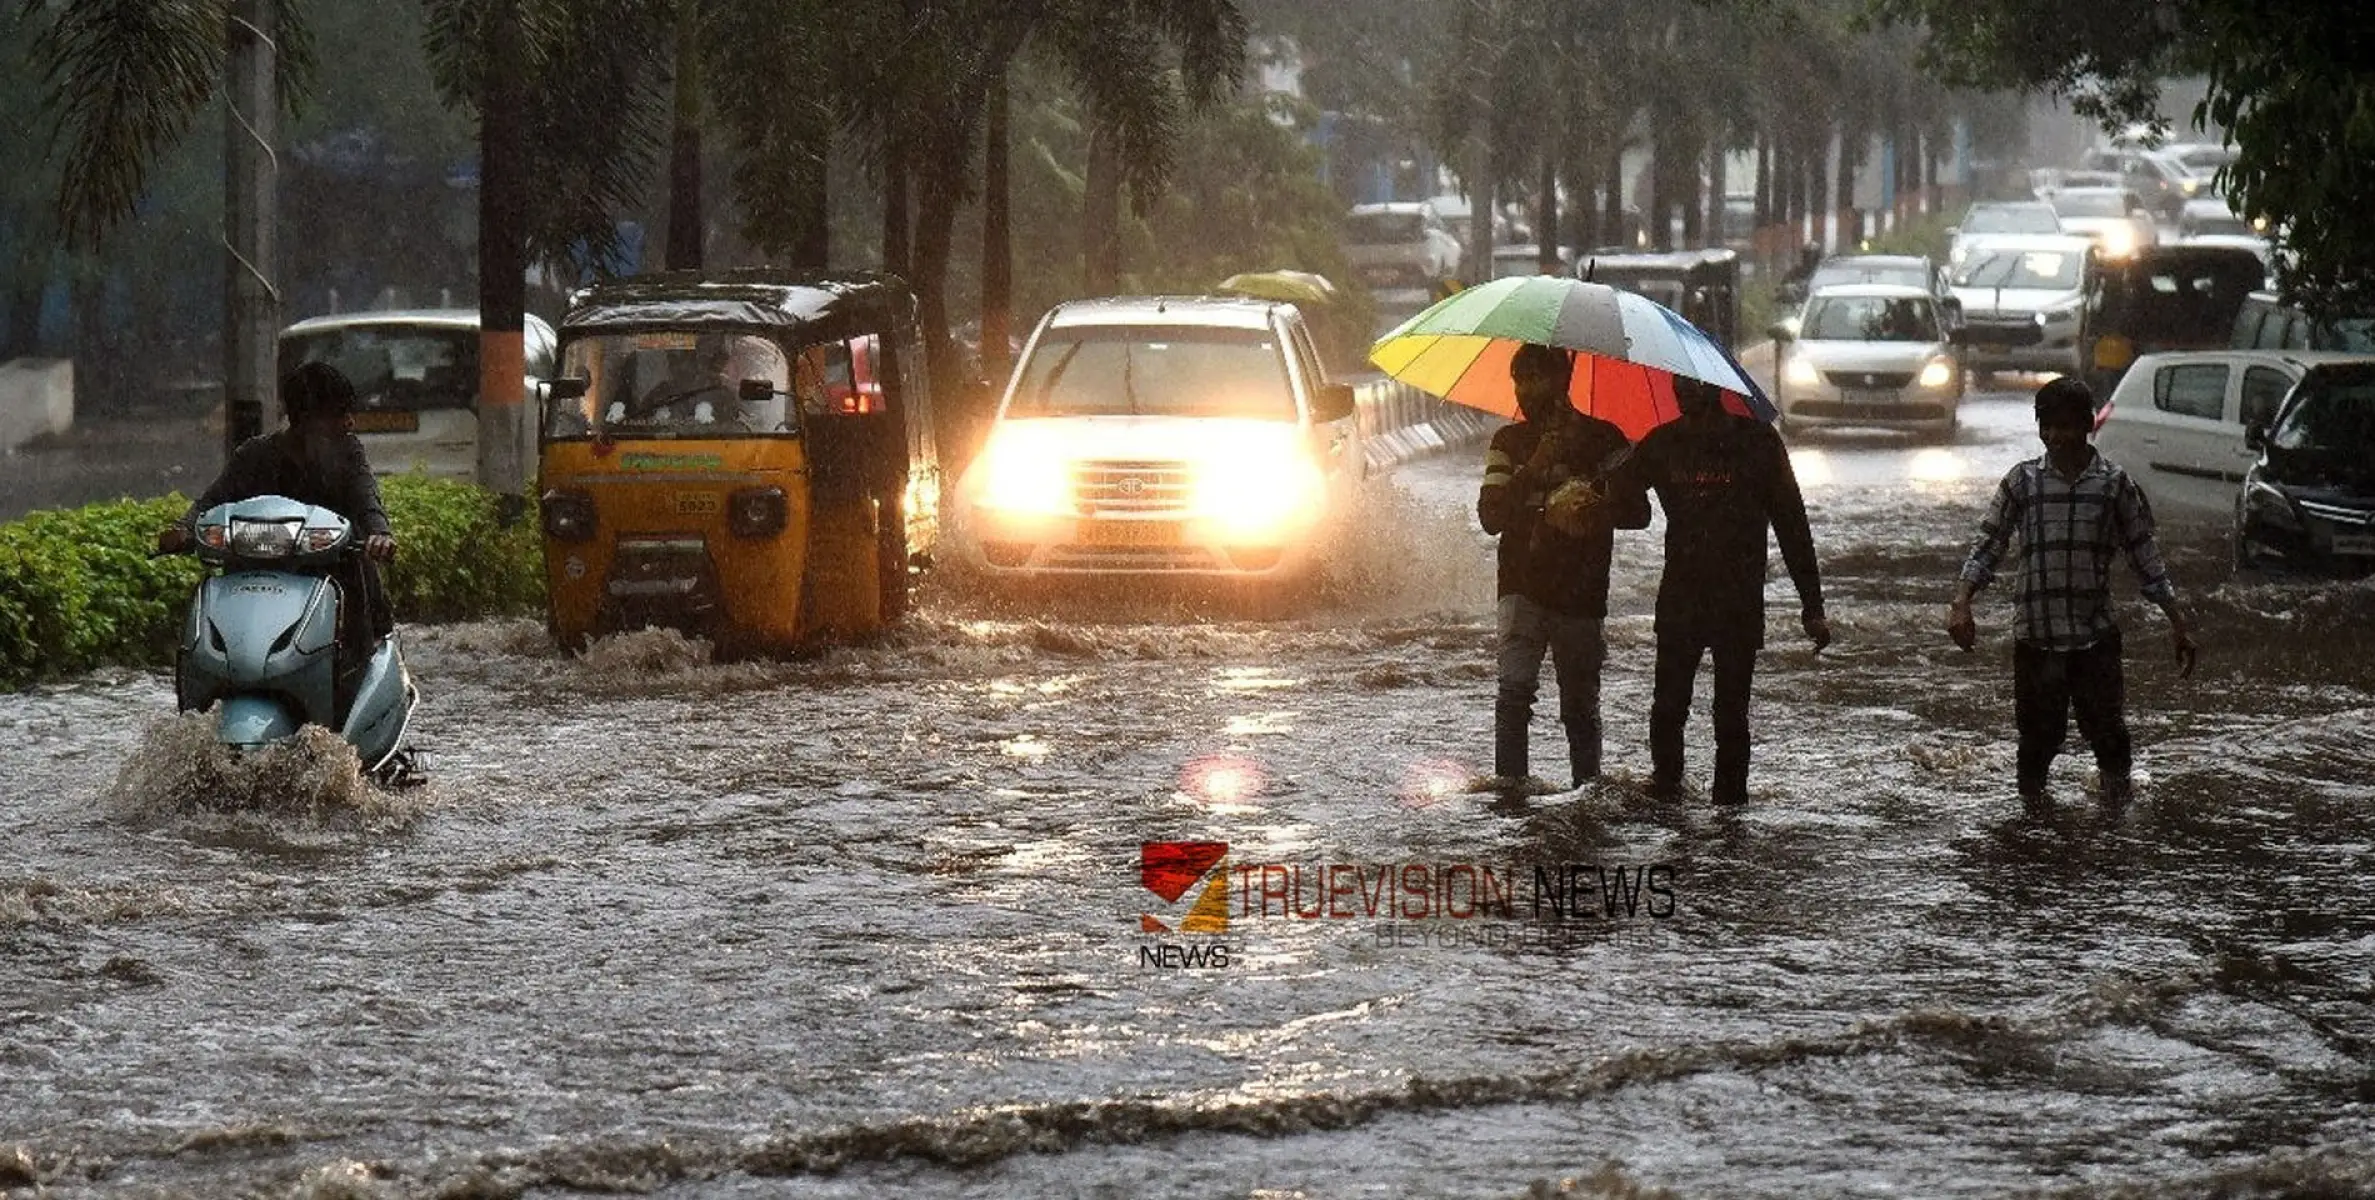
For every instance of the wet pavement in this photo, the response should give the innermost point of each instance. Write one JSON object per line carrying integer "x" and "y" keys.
{"x": 873, "y": 923}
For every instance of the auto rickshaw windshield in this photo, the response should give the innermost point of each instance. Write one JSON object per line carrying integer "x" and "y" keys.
{"x": 675, "y": 384}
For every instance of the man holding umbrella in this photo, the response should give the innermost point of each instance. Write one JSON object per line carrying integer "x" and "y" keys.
{"x": 1722, "y": 479}
{"x": 1553, "y": 581}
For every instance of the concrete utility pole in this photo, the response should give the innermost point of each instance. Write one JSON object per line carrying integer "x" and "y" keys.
{"x": 503, "y": 430}
{"x": 251, "y": 304}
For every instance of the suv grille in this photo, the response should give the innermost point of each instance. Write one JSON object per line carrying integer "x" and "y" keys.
{"x": 1120, "y": 485}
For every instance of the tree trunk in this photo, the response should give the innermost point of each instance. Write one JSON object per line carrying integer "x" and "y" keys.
{"x": 684, "y": 146}
{"x": 895, "y": 239}
{"x": 812, "y": 241}
{"x": 502, "y": 266}
{"x": 958, "y": 393}
{"x": 1476, "y": 261}
{"x": 1612, "y": 213}
{"x": 1101, "y": 204}
{"x": 997, "y": 248}
{"x": 1546, "y": 215}
{"x": 1850, "y": 157}
{"x": 251, "y": 401}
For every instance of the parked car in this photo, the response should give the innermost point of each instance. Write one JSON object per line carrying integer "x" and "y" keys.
{"x": 2024, "y": 303}
{"x": 2177, "y": 421}
{"x": 2266, "y": 322}
{"x": 1163, "y": 436}
{"x": 2164, "y": 183}
{"x": 2115, "y": 218}
{"x": 2210, "y": 221}
{"x": 1525, "y": 258}
{"x": 416, "y": 381}
{"x": 1400, "y": 245}
{"x": 1984, "y": 221}
{"x": 1869, "y": 354}
{"x": 2308, "y": 503}
{"x": 2164, "y": 298}
{"x": 2045, "y": 181}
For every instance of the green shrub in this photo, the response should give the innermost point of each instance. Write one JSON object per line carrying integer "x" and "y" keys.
{"x": 78, "y": 589}
{"x": 454, "y": 558}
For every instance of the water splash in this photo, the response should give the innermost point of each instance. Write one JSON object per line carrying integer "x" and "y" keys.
{"x": 181, "y": 772}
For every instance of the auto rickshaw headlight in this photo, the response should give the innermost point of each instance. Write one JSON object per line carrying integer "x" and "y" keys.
{"x": 568, "y": 515}
{"x": 758, "y": 512}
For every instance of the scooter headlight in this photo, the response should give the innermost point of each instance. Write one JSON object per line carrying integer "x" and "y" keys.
{"x": 263, "y": 539}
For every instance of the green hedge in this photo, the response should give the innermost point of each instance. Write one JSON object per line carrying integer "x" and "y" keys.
{"x": 78, "y": 589}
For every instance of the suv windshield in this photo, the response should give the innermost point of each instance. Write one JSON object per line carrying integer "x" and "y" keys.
{"x": 2336, "y": 418}
{"x": 2011, "y": 218}
{"x": 1383, "y": 228}
{"x": 2007, "y": 268}
{"x": 1155, "y": 370}
{"x": 2089, "y": 204}
{"x": 1870, "y": 319}
{"x": 679, "y": 383}
{"x": 394, "y": 366}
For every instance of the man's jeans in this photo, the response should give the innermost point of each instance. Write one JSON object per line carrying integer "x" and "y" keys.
{"x": 1577, "y": 650}
{"x": 1670, "y": 707}
{"x": 2047, "y": 685}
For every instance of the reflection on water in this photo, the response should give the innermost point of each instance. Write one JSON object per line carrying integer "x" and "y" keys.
{"x": 872, "y": 918}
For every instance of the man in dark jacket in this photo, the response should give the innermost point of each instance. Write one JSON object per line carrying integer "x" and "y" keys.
{"x": 1722, "y": 481}
{"x": 316, "y": 460}
{"x": 1553, "y": 583}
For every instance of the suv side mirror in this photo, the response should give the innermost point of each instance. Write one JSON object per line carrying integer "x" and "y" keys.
{"x": 1333, "y": 402}
{"x": 2255, "y": 436}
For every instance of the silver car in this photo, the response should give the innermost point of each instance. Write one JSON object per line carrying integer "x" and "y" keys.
{"x": 1872, "y": 355}
{"x": 2024, "y": 303}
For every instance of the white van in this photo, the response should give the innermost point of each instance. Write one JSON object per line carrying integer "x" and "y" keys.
{"x": 415, "y": 373}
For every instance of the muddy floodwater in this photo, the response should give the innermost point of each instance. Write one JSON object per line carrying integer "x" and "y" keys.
{"x": 878, "y": 923}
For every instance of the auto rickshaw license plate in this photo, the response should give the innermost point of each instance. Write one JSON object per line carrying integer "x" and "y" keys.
{"x": 387, "y": 420}
{"x": 699, "y": 504}
{"x": 1128, "y": 533}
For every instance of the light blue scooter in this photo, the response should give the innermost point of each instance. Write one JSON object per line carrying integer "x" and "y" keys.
{"x": 262, "y": 638}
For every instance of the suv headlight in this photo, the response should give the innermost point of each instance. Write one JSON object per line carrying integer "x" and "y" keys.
{"x": 2057, "y": 315}
{"x": 1260, "y": 492}
{"x": 1937, "y": 373}
{"x": 1026, "y": 475}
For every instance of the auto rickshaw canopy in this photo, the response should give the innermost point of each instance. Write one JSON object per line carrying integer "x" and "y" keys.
{"x": 825, "y": 304}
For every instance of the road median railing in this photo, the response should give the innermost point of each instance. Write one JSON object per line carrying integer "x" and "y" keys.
{"x": 1399, "y": 422}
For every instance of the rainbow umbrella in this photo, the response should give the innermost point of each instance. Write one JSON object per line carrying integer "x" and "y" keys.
{"x": 1629, "y": 349}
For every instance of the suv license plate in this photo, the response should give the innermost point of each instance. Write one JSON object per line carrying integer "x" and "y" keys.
{"x": 1128, "y": 533}
{"x": 1875, "y": 397}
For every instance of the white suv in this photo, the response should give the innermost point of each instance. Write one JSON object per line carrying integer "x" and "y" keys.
{"x": 1149, "y": 435}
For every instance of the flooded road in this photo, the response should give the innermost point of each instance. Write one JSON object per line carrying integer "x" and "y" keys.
{"x": 875, "y": 923}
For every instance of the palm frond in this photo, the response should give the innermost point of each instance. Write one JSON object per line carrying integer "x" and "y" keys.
{"x": 124, "y": 80}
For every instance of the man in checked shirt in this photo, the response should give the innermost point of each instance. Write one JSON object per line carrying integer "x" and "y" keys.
{"x": 2075, "y": 511}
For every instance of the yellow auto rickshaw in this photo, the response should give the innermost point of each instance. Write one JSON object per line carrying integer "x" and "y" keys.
{"x": 746, "y": 456}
